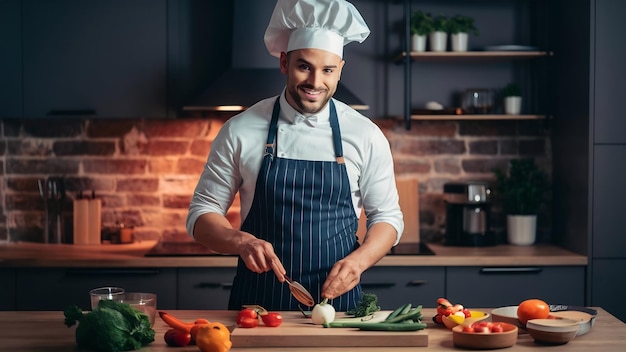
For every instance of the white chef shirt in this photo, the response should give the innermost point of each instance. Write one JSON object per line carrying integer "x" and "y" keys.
{"x": 237, "y": 153}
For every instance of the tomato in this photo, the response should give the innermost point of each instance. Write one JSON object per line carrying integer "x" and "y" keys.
{"x": 467, "y": 313}
{"x": 497, "y": 328}
{"x": 248, "y": 318}
{"x": 532, "y": 309}
{"x": 439, "y": 319}
{"x": 247, "y": 313}
{"x": 482, "y": 329}
{"x": 467, "y": 328}
{"x": 272, "y": 319}
{"x": 177, "y": 338}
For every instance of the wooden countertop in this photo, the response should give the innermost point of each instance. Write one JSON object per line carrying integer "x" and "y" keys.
{"x": 26, "y": 254}
{"x": 45, "y": 331}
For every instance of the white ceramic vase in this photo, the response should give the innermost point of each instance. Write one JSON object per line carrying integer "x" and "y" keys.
{"x": 458, "y": 41}
{"x": 521, "y": 229}
{"x": 438, "y": 41}
{"x": 418, "y": 42}
{"x": 512, "y": 105}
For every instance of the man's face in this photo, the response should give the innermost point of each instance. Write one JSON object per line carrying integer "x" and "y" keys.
{"x": 312, "y": 78}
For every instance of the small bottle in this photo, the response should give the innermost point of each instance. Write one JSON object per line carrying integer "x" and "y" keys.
{"x": 126, "y": 233}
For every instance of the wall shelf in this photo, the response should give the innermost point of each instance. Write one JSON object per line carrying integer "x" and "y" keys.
{"x": 475, "y": 117}
{"x": 471, "y": 55}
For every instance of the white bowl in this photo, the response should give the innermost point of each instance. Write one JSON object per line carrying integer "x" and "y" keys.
{"x": 506, "y": 314}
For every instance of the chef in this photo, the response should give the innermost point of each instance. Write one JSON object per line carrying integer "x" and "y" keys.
{"x": 305, "y": 165}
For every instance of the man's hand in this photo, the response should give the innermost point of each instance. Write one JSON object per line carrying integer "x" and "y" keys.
{"x": 260, "y": 257}
{"x": 343, "y": 277}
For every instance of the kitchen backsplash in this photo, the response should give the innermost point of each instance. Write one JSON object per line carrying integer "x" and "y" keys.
{"x": 145, "y": 170}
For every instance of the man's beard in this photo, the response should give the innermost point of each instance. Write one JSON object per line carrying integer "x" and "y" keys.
{"x": 305, "y": 106}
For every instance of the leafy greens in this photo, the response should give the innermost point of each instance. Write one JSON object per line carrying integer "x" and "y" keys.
{"x": 366, "y": 306}
{"x": 111, "y": 327}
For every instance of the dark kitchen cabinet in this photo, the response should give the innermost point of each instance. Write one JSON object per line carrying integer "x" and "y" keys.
{"x": 100, "y": 58}
{"x": 10, "y": 59}
{"x": 508, "y": 286}
{"x": 204, "y": 288}
{"x": 7, "y": 293}
{"x": 609, "y": 188}
{"x": 398, "y": 285}
{"x": 56, "y": 288}
{"x": 609, "y": 73}
{"x": 589, "y": 143}
{"x": 608, "y": 287}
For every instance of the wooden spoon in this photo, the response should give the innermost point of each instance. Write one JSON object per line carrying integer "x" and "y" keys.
{"x": 299, "y": 292}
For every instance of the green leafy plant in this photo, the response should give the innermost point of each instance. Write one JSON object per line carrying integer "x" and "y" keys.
{"x": 512, "y": 90}
{"x": 421, "y": 23}
{"x": 523, "y": 188}
{"x": 462, "y": 24}
{"x": 111, "y": 327}
{"x": 440, "y": 23}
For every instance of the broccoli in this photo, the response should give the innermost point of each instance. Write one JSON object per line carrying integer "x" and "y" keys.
{"x": 367, "y": 305}
{"x": 111, "y": 327}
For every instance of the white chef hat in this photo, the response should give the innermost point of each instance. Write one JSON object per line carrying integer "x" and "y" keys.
{"x": 314, "y": 24}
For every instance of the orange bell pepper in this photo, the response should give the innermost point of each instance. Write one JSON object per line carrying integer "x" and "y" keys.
{"x": 213, "y": 337}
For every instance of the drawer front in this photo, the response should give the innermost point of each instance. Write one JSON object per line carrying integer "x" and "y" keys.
{"x": 204, "y": 288}
{"x": 395, "y": 286}
{"x": 508, "y": 286}
{"x": 7, "y": 293}
{"x": 55, "y": 289}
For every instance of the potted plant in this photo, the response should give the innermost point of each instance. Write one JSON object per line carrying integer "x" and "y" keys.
{"x": 438, "y": 36}
{"x": 522, "y": 190}
{"x": 420, "y": 27}
{"x": 460, "y": 27}
{"x": 512, "y": 95}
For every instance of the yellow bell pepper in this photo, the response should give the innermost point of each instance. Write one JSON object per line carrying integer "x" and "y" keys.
{"x": 213, "y": 337}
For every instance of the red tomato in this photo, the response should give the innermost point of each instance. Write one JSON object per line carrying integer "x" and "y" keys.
{"x": 247, "y": 314}
{"x": 248, "y": 322}
{"x": 467, "y": 313}
{"x": 177, "y": 338}
{"x": 439, "y": 319}
{"x": 468, "y": 328}
{"x": 272, "y": 319}
{"x": 497, "y": 328}
{"x": 482, "y": 329}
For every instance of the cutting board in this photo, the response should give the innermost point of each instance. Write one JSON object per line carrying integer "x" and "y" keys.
{"x": 298, "y": 331}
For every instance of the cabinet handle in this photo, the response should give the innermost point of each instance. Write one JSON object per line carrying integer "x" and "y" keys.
{"x": 112, "y": 272}
{"x": 370, "y": 285}
{"x": 416, "y": 283}
{"x": 529, "y": 269}
{"x": 224, "y": 285}
{"x": 75, "y": 112}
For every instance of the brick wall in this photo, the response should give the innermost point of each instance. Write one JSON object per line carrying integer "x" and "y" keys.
{"x": 145, "y": 170}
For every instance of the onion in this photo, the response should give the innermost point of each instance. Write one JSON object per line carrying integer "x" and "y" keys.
{"x": 323, "y": 313}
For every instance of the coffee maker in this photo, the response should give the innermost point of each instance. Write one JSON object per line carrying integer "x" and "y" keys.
{"x": 468, "y": 207}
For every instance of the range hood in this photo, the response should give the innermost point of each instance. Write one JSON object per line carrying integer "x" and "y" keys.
{"x": 254, "y": 74}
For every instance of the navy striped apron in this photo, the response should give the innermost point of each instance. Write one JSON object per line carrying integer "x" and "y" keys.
{"x": 304, "y": 209}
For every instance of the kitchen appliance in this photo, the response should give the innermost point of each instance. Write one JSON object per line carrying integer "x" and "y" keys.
{"x": 252, "y": 66}
{"x": 468, "y": 207}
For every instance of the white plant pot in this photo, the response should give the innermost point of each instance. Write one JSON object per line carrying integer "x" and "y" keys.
{"x": 459, "y": 41}
{"x": 521, "y": 229}
{"x": 418, "y": 42}
{"x": 438, "y": 41}
{"x": 512, "y": 105}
